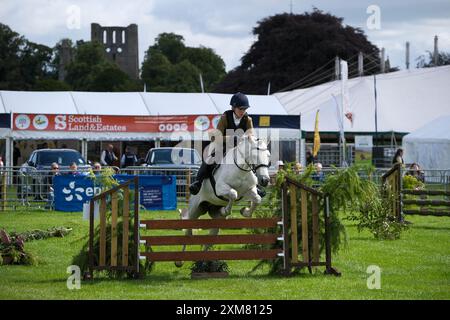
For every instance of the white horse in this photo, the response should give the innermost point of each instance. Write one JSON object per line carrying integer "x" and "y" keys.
{"x": 242, "y": 168}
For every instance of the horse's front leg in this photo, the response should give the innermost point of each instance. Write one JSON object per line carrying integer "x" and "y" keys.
{"x": 255, "y": 200}
{"x": 230, "y": 193}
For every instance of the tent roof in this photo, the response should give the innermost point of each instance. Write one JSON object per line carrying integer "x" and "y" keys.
{"x": 437, "y": 130}
{"x": 160, "y": 103}
{"x": 38, "y": 102}
{"x": 108, "y": 103}
{"x": 129, "y": 103}
{"x": 407, "y": 100}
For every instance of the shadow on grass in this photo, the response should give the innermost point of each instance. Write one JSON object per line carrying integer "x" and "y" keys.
{"x": 430, "y": 228}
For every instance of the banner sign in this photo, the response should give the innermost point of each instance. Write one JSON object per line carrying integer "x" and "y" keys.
{"x": 71, "y": 192}
{"x": 99, "y": 123}
{"x": 363, "y": 149}
{"x": 156, "y": 192}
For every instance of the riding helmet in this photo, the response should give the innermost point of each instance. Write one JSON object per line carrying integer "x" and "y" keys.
{"x": 239, "y": 100}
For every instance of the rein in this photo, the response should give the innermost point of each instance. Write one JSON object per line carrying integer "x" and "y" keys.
{"x": 251, "y": 167}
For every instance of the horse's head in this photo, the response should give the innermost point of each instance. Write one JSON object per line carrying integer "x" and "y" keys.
{"x": 257, "y": 157}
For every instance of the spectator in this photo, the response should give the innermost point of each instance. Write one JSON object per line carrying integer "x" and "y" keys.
{"x": 97, "y": 168}
{"x": 309, "y": 157}
{"x": 280, "y": 165}
{"x": 16, "y": 156}
{"x": 51, "y": 194}
{"x": 129, "y": 159}
{"x": 73, "y": 169}
{"x": 398, "y": 157}
{"x": 298, "y": 168}
{"x": 108, "y": 157}
{"x": 318, "y": 176}
{"x": 415, "y": 171}
{"x": 54, "y": 172}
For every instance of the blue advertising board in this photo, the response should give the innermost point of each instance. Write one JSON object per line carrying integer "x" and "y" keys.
{"x": 70, "y": 192}
{"x": 155, "y": 192}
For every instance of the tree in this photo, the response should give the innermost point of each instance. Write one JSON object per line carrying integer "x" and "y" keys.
{"x": 170, "y": 66}
{"x": 290, "y": 47}
{"x": 51, "y": 85}
{"x": 22, "y": 62}
{"x": 90, "y": 70}
{"x": 443, "y": 59}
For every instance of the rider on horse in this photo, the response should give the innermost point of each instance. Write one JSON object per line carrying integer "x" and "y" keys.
{"x": 235, "y": 121}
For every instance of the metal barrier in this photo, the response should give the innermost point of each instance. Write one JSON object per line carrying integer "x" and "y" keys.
{"x": 30, "y": 188}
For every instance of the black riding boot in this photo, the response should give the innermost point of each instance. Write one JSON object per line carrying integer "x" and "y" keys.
{"x": 202, "y": 173}
{"x": 261, "y": 191}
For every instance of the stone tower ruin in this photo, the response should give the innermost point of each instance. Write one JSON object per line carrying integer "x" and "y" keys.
{"x": 121, "y": 46}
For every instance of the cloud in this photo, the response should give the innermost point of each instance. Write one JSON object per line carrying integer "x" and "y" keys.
{"x": 226, "y": 26}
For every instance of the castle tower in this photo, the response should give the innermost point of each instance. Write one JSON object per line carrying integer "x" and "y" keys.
{"x": 65, "y": 59}
{"x": 121, "y": 46}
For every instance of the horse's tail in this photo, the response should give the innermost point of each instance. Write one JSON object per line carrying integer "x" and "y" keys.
{"x": 184, "y": 214}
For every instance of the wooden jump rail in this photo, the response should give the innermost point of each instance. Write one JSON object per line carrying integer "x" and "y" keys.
{"x": 282, "y": 230}
{"x": 392, "y": 179}
{"x": 113, "y": 263}
{"x": 170, "y": 240}
{"x": 310, "y": 252}
{"x": 426, "y": 206}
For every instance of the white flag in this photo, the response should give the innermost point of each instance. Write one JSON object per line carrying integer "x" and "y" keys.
{"x": 345, "y": 93}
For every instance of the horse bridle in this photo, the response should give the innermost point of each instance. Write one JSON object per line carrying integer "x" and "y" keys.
{"x": 251, "y": 166}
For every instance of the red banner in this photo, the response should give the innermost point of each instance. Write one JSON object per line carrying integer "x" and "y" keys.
{"x": 98, "y": 123}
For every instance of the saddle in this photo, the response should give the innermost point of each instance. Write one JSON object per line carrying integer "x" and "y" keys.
{"x": 213, "y": 183}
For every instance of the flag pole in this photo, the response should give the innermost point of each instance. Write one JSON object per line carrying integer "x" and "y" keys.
{"x": 376, "y": 109}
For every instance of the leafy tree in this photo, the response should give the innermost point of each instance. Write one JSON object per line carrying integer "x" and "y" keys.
{"x": 22, "y": 62}
{"x": 170, "y": 66}
{"x": 290, "y": 47}
{"x": 443, "y": 60}
{"x": 91, "y": 71}
{"x": 156, "y": 70}
{"x": 51, "y": 85}
{"x": 171, "y": 45}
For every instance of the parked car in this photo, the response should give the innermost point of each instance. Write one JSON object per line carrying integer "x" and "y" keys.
{"x": 35, "y": 171}
{"x": 173, "y": 161}
{"x": 173, "y": 157}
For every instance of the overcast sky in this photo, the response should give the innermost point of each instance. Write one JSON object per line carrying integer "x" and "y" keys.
{"x": 226, "y": 26}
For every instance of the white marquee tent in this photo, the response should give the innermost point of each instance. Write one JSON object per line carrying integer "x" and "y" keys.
{"x": 125, "y": 104}
{"x": 429, "y": 146}
{"x": 406, "y": 100}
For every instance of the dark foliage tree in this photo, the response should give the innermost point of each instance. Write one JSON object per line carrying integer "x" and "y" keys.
{"x": 290, "y": 47}
{"x": 170, "y": 66}
{"x": 22, "y": 63}
{"x": 90, "y": 70}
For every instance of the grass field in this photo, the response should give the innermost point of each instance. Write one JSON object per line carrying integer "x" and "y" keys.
{"x": 415, "y": 267}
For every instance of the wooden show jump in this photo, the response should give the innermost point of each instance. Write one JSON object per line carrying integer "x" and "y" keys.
{"x": 279, "y": 239}
{"x": 392, "y": 180}
{"x": 99, "y": 260}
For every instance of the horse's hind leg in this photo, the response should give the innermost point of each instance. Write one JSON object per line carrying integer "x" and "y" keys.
{"x": 214, "y": 212}
{"x": 195, "y": 210}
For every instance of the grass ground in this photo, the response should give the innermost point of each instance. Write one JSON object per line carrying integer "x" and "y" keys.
{"x": 414, "y": 267}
